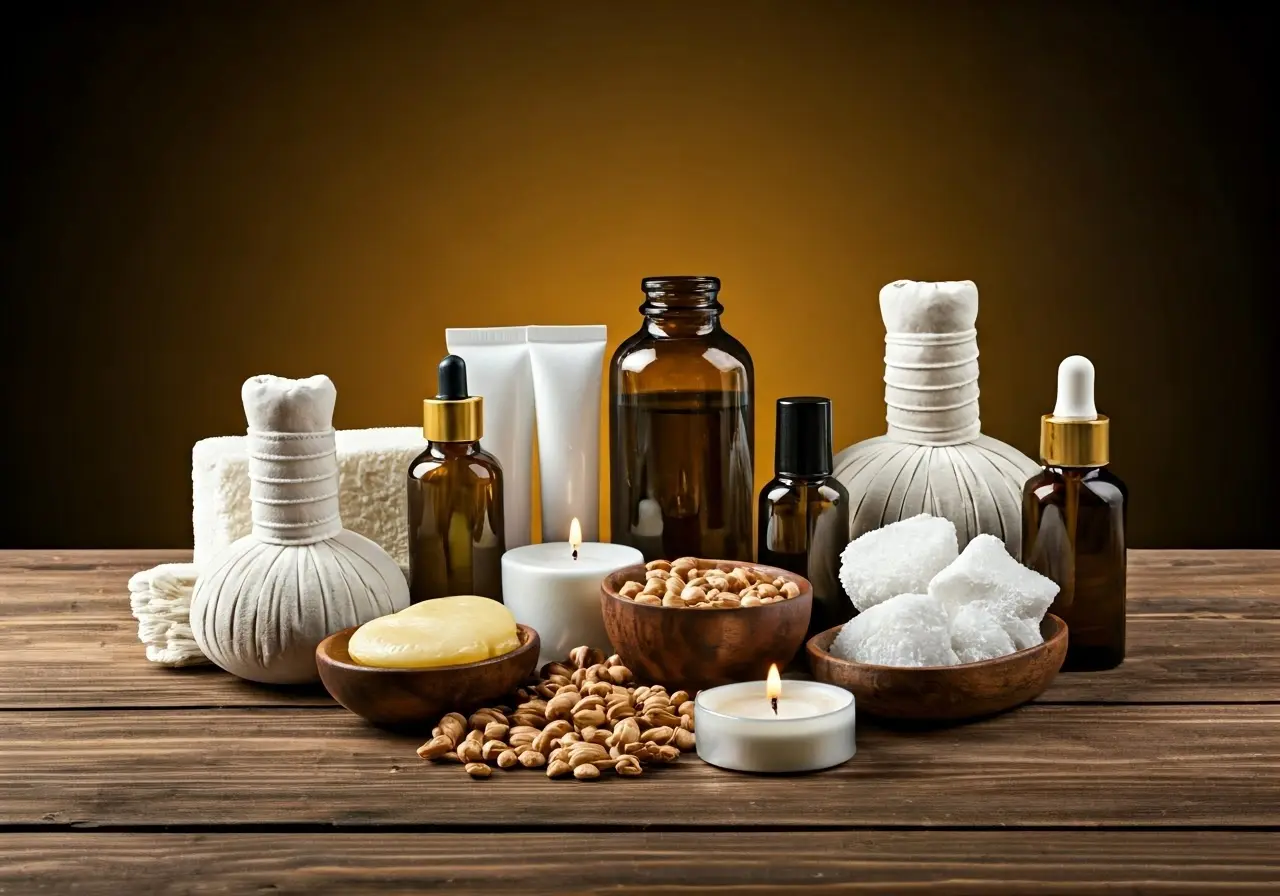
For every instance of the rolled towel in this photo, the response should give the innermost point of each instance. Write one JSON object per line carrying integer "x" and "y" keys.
{"x": 161, "y": 602}
{"x": 372, "y": 468}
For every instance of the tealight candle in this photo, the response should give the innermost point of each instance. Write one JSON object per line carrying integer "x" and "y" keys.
{"x": 757, "y": 726}
{"x": 555, "y": 589}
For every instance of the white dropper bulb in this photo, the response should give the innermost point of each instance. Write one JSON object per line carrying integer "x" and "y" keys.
{"x": 1075, "y": 389}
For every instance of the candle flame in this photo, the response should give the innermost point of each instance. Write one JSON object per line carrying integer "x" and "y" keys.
{"x": 773, "y": 685}
{"x": 575, "y": 536}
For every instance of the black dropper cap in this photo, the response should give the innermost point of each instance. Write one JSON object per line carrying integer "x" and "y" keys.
{"x": 453, "y": 415}
{"x": 803, "y": 444}
{"x": 451, "y": 379}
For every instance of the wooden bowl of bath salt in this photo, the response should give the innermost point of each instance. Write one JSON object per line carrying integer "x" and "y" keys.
{"x": 411, "y": 698}
{"x": 692, "y": 648}
{"x": 944, "y": 693}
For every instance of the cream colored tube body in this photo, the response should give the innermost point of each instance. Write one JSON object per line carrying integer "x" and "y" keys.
{"x": 568, "y": 364}
{"x": 498, "y": 371}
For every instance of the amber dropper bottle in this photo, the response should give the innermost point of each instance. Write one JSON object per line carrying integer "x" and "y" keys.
{"x": 456, "y": 531}
{"x": 804, "y": 512}
{"x": 1073, "y": 522}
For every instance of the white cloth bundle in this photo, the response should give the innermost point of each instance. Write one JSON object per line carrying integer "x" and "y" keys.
{"x": 934, "y": 458}
{"x": 372, "y": 466}
{"x": 263, "y": 603}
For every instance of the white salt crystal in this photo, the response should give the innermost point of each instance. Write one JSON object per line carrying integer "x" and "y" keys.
{"x": 906, "y": 630}
{"x": 1012, "y": 594}
{"x": 977, "y": 635}
{"x": 901, "y": 558}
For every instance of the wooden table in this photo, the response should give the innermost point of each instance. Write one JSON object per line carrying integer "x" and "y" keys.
{"x": 118, "y": 777}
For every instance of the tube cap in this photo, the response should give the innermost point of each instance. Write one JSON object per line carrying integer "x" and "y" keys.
{"x": 1075, "y": 434}
{"x": 453, "y": 415}
{"x": 802, "y": 446}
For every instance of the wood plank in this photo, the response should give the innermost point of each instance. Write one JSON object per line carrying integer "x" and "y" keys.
{"x": 1205, "y": 574}
{"x": 1184, "y": 659}
{"x": 959, "y": 862}
{"x": 1041, "y": 765}
{"x": 69, "y": 639}
{"x": 1203, "y": 627}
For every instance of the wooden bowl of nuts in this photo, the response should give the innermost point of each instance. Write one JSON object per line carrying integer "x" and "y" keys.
{"x": 945, "y": 693}
{"x": 407, "y": 698}
{"x": 693, "y": 623}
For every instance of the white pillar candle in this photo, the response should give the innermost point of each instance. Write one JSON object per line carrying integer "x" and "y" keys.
{"x": 546, "y": 587}
{"x": 738, "y": 729}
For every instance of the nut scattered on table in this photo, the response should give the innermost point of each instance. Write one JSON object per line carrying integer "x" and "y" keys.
{"x": 691, "y": 583}
{"x": 578, "y": 719}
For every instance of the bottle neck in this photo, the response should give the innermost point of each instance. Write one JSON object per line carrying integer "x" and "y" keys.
{"x": 795, "y": 479}
{"x": 681, "y": 306}
{"x": 453, "y": 449}
{"x": 666, "y": 321}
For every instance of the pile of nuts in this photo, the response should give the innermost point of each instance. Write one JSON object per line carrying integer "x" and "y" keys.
{"x": 694, "y": 584}
{"x": 579, "y": 719}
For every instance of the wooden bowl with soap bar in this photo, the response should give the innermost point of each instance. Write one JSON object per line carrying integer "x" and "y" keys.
{"x": 944, "y": 693}
{"x": 408, "y": 669}
{"x": 692, "y": 642}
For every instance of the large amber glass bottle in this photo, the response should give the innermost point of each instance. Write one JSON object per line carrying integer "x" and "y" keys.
{"x": 456, "y": 531}
{"x": 682, "y": 428}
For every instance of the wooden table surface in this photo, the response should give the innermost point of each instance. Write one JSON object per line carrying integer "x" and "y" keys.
{"x": 117, "y": 776}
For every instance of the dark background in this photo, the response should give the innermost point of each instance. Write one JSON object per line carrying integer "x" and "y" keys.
{"x": 198, "y": 192}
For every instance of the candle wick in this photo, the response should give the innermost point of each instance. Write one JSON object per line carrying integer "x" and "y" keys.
{"x": 774, "y": 701}
{"x": 575, "y": 553}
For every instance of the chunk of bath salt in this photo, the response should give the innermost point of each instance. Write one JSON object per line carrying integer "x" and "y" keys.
{"x": 1014, "y": 595}
{"x": 977, "y": 635}
{"x": 900, "y": 558}
{"x": 907, "y": 630}
{"x": 440, "y": 632}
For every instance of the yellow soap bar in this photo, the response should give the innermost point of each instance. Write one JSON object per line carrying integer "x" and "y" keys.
{"x": 441, "y": 632}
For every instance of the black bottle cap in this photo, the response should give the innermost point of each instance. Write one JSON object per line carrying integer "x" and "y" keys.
{"x": 451, "y": 379}
{"x": 803, "y": 443}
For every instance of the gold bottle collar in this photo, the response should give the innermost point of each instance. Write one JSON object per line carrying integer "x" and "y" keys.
{"x": 1065, "y": 442}
{"x": 458, "y": 420}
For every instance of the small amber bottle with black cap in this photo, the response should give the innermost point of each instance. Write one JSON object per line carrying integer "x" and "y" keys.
{"x": 456, "y": 532}
{"x": 804, "y": 512}
{"x": 1073, "y": 522}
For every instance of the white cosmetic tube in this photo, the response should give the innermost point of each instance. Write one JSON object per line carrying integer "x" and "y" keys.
{"x": 568, "y": 364}
{"x": 498, "y": 371}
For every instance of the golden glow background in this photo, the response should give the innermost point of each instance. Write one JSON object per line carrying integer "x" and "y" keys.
{"x": 198, "y": 192}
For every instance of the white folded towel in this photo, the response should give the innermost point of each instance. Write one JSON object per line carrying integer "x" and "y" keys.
{"x": 161, "y": 602}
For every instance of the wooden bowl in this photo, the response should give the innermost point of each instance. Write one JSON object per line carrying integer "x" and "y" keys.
{"x": 401, "y": 698}
{"x": 694, "y": 649}
{"x": 945, "y": 692}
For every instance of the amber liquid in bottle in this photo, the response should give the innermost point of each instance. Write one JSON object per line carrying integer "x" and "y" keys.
{"x": 804, "y": 525}
{"x": 1073, "y": 531}
{"x": 691, "y": 452}
{"x": 682, "y": 428}
{"x": 456, "y": 532}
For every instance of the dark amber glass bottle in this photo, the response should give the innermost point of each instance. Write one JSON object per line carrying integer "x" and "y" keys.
{"x": 456, "y": 531}
{"x": 1073, "y": 523}
{"x": 804, "y": 511}
{"x": 682, "y": 428}
{"x": 1073, "y": 532}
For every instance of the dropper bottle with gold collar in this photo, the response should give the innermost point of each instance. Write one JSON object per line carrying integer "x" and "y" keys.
{"x": 1073, "y": 522}
{"x": 456, "y": 532}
